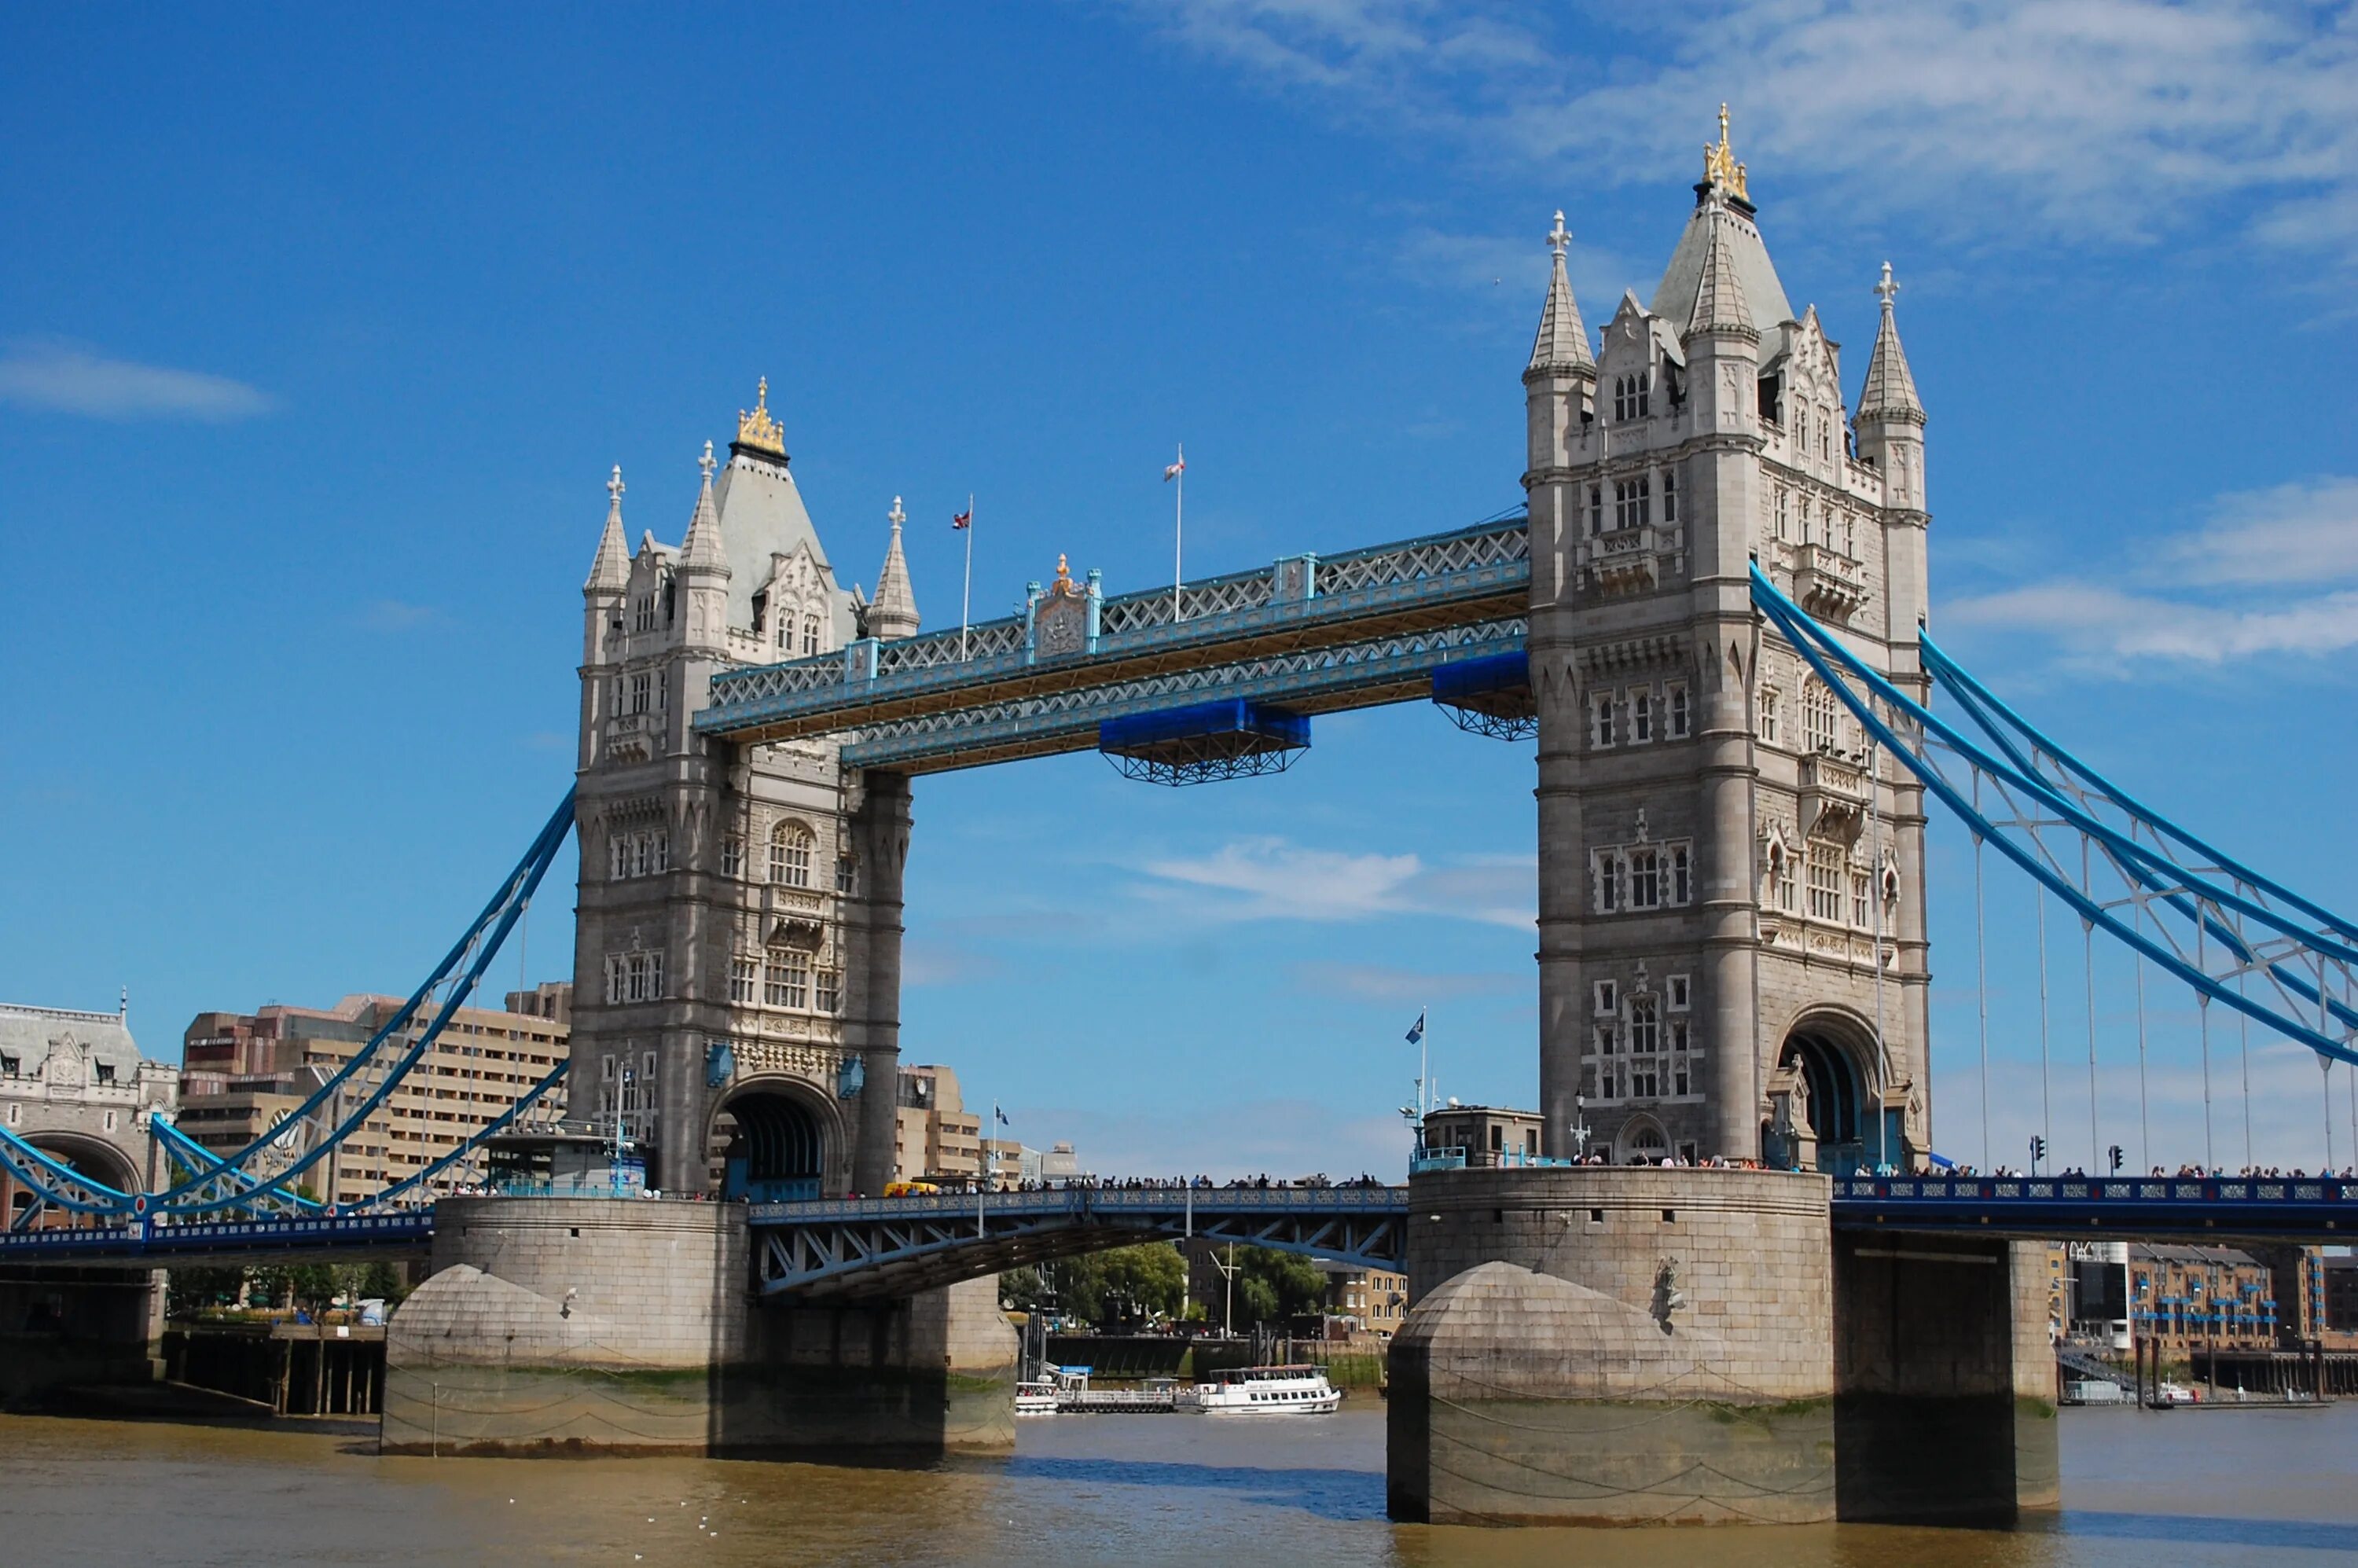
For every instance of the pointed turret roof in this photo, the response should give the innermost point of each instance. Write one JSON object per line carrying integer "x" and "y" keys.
{"x": 894, "y": 612}
{"x": 1724, "y": 217}
{"x": 1890, "y": 388}
{"x": 1719, "y": 303}
{"x": 702, "y": 548}
{"x": 1562, "y": 340}
{"x": 610, "y": 568}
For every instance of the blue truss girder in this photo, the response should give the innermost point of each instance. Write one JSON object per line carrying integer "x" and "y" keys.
{"x": 1393, "y": 668}
{"x": 2212, "y": 1210}
{"x": 187, "y": 1154}
{"x": 866, "y": 1248}
{"x": 1469, "y": 575}
{"x": 154, "y": 1238}
{"x": 2256, "y": 939}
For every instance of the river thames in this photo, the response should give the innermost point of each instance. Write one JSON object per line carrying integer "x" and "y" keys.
{"x": 2200, "y": 1486}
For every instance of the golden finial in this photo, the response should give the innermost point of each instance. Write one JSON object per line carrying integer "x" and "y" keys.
{"x": 757, "y": 430}
{"x": 1719, "y": 165}
{"x": 1064, "y": 572}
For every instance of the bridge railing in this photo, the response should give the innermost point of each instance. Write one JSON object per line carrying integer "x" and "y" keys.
{"x": 2225, "y": 1191}
{"x": 1079, "y": 1200}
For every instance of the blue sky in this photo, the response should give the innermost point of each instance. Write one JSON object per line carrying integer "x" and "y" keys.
{"x": 319, "y": 335}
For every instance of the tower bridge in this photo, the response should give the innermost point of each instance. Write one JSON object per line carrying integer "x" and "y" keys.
{"x": 1712, "y": 612}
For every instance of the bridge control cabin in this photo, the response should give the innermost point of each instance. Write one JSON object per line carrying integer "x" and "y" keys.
{"x": 563, "y": 1164}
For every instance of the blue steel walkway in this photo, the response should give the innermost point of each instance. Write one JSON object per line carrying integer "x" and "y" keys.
{"x": 891, "y": 1246}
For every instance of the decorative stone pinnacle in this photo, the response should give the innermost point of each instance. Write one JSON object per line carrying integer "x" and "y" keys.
{"x": 757, "y": 430}
{"x": 1559, "y": 238}
{"x": 896, "y": 516}
{"x": 1887, "y": 288}
{"x": 614, "y": 486}
{"x": 706, "y": 462}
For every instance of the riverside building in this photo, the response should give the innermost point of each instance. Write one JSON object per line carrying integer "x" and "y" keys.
{"x": 243, "y": 1075}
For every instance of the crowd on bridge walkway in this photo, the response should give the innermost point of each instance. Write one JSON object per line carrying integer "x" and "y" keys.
{"x": 2183, "y": 1174}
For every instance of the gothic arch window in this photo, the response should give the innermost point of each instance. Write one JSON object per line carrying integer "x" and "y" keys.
{"x": 790, "y": 855}
{"x": 1818, "y": 724}
{"x": 1781, "y": 879}
{"x": 810, "y": 635}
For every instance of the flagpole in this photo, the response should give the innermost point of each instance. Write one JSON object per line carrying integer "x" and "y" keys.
{"x": 1178, "y": 532}
{"x": 965, "y": 593}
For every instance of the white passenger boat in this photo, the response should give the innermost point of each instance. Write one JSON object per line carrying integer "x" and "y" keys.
{"x": 1036, "y": 1398}
{"x": 1268, "y": 1390}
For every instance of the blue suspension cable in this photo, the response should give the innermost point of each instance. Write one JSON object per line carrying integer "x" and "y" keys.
{"x": 2046, "y": 1073}
{"x": 2149, "y": 870}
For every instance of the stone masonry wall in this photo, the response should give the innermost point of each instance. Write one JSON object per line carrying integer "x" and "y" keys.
{"x": 1749, "y": 1249}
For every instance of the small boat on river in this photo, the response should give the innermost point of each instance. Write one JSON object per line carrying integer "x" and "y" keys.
{"x": 1268, "y": 1390}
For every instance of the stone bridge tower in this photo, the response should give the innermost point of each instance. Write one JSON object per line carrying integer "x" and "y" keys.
{"x": 1732, "y": 950}
{"x": 737, "y": 949}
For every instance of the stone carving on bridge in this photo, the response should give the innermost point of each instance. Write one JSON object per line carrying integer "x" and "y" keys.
{"x": 1668, "y": 1297}
{"x": 818, "y": 1064}
{"x": 803, "y": 935}
{"x": 1063, "y": 616}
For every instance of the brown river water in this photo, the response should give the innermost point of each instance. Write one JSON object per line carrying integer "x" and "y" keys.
{"x": 2210, "y": 1487}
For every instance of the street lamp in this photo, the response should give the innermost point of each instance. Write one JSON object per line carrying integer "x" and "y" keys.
{"x": 621, "y": 1098}
{"x": 1579, "y": 1125}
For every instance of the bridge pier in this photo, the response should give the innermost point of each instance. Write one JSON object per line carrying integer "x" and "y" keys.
{"x": 567, "y": 1326}
{"x": 1677, "y": 1345}
{"x": 1945, "y": 1380}
{"x": 66, "y": 1326}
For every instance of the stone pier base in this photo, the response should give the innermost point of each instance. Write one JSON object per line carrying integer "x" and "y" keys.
{"x": 1675, "y": 1347}
{"x": 1615, "y": 1347}
{"x": 64, "y": 1327}
{"x": 1944, "y": 1403}
{"x": 597, "y": 1325}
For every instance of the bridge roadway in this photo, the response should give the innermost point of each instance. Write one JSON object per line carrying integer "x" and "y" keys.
{"x": 854, "y": 1248}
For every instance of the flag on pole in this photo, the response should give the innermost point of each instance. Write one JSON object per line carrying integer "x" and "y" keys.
{"x": 963, "y": 519}
{"x": 1174, "y": 469}
{"x": 1002, "y": 1115}
{"x": 1416, "y": 1030}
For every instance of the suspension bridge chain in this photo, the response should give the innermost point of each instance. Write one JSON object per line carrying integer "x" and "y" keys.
{"x": 261, "y": 1177}
{"x": 2236, "y": 938}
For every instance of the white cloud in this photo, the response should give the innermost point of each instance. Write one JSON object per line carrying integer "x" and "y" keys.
{"x": 74, "y": 381}
{"x": 2305, "y": 533}
{"x": 2299, "y": 534}
{"x": 397, "y": 615}
{"x": 1370, "y": 982}
{"x": 2107, "y": 623}
{"x": 2112, "y": 116}
{"x": 1274, "y": 879}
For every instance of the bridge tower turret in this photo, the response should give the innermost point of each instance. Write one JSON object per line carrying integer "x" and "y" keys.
{"x": 720, "y": 912}
{"x": 1730, "y": 954}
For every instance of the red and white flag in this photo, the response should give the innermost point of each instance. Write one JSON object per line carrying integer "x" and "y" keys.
{"x": 963, "y": 519}
{"x": 1175, "y": 470}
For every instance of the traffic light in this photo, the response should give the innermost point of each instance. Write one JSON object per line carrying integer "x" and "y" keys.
{"x": 2038, "y": 1150}
{"x": 2116, "y": 1157}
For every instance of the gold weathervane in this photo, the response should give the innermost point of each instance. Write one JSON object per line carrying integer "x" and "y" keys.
{"x": 757, "y": 430}
{"x": 1719, "y": 165}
